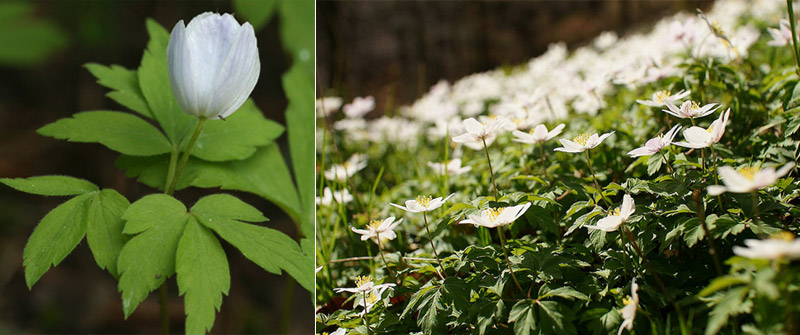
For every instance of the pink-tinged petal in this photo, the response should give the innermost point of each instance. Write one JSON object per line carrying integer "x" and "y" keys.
{"x": 465, "y": 138}
{"x": 715, "y": 190}
{"x": 670, "y": 135}
{"x": 734, "y": 181}
{"x": 654, "y": 144}
{"x": 473, "y": 126}
{"x": 643, "y": 151}
{"x": 540, "y": 133}
{"x": 627, "y": 208}
{"x": 359, "y": 231}
{"x": 697, "y": 137}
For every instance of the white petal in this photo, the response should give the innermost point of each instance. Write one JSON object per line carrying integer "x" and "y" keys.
{"x": 627, "y": 208}
{"x": 557, "y": 130}
{"x": 714, "y": 190}
{"x": 473, "y": 126}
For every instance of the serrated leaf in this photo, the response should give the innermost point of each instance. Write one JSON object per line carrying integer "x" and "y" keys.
{"x": 264, "y": 174}
{"x": 148, "y": 259}
{"x": 522, "y": 315}
{"x": 122, "y": 132}
{"x": 125, "y": 86}
{"x": 155, "y": 87}
{"x": 55, "y": 237}
{"x": 104, "y": 229}
{"x": 721, "y": 283}
{"x": 238, "y": 136}
{"x": 565, "y": 292}
{"x": 730, "y": 304}
{"x": 257, "y": 12}
{"x": 202, "y": 275}
{"x": 271, "y": 249}
{"x": 299, "y": 116}
{"x": 50, "y": 185}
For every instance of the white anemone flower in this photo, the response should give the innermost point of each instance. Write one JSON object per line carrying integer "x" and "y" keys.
{"x": 477, "y": 131}
{"x": 212, "y": 64}
{"x": 379, "y": 228}
{"x": 655, "y": 144}
{"x": 616, "y": 217}
{"x": 582, "y": 142}
{"x": 364, "y": 284}
{"x": 747, "y": 179}
{"x": 497, "y": 216}
{"x": 537, "y": 135}
{"x": 341, "y": 172}
{"x": 328, "y": 105}
{"x": 453, "y": 167}
{"x": 661, "y": 98}
{"x": 359, "y": 107}
{"x": 629, "y": 310}
{"x": 783, "y": 245}
{"x": 781, "y": 36}
{"x": 697, "y": 137}
{"x": 341, "y": 196}
{"x": 689, "y": 109}
{"x": 422, "y": 203}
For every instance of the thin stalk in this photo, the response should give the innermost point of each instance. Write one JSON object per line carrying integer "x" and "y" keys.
{"x": 669, "y": 166}
{"x": 701, "y": 215}
{"x": 185, "y": 158}
{"x": 703, "y": 161}
{"x": 660, "y": 283}
{"x": 596, "y": 184}
{"x": 508, "y": 261}
{"x": 173, "y": 162}
{"x": 164, "y": 303}
{"x": 364, "y": 315}
{"x": 380, "y": 251}
{"x": 491, "y": 172}
{"x": 716, "y": 176}
{"x": 756, "y": 212}
{"x": 544, "y": 160}
{"x": 430, "y": 238}
{"x": 288, "y": 299}
{"x": 790, "y": 9}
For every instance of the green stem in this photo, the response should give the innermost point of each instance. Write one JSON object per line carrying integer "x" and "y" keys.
{"x": 380, "y": 251}
{"x": 669, "y": 166}
{"x": 288, "y": 299}
{"x": 790, "y": 9}
{"x": 364, "y": 315}
{"x": 508, "y": 260}
{"x": 173, "y": 162}
{"x": 701, "y": 215}
{"x": 544, "y": 160}
{"x": 491, "y": 172}
{"x": 596, "y": 184}
{"x": 430, "y": 238}
{"x": 185, "y": 158}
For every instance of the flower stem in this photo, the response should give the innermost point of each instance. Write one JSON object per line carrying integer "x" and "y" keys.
{"x": 756, "y": 212}
{"x": 596, "y": 184}
{"x": 544, "y": 161}
{"x": 508, "y": 260}
{"x": 701, "y": 215}
{"x": 491, "y": 172}
{"x": 164, "y": 303}
{"x": 380, "y": 252}
{"x": 660, "y": 283}
{"x": 364, "y": 315}
{"x": 790, "y": 9}
{"x": 669, "y": 166}
{"x": 185, "y": 158}
{"x": 430, "y": 238}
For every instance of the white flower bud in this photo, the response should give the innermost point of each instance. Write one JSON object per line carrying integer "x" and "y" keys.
{"x": 213, "y": 64}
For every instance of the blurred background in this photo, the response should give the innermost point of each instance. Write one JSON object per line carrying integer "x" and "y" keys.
{"x": 43, "y": 47}
{"x": 395, "y": 50}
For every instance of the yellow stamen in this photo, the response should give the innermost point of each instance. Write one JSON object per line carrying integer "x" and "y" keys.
{"x": 695, "y": 105}
{"x": 749, "y": 172}
{"x": 371, "y": 298}
{"x": 614, "y": 212}
{"x": 627, "y": 300}
{"x": 710, "y": 129}
{"x": 581, "y": 139}
{"x": 374, "y": 224}
{"x": 494, "y": 212}
{"x": 424, "y": 200}
{"x": 783, "y": 236}
{"x": 363, "y": 280}
{"x": 661, "y": 95}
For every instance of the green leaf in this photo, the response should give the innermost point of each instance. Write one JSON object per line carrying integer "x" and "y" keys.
{"x": 264, "y": 173}
{"x": 720, "y": 283}
{"x": 27, "y": 39}
{"x": 556, "y": 317}
{"x": 55, "y": 237}
{"x": 125, "y": 86}
{"x": 730, "y": 304}
{"x": 202, "y": 275}
{"x": 565, "y": 292}
{"x": 271, "y": 249}
{"x": 154, "y": 83}
{"x": 148, "y": 259}
{"x": 50, "y": 185}
{"x": 257, "y": 12}
{"x": 523, "y": 317}
{"x": 299, "y": 116}
{"x": 122, "y": 132}
{"x": 104, "y": 230}
{"x": 238, "y": 136}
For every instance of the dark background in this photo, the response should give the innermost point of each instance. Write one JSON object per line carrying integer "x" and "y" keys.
{"x": 395, "y": 50}
{"x": 76, "y": 296}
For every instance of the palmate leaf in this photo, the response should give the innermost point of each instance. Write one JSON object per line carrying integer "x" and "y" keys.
{"x": 271, "y": 249}
{"x": 122, "y": 132}
{"x": 148, "y": 259}
{"x": 92, "y": 212}
{"x": 125, "y": 86}
{"x": 203, "y": 276}
{"x": 299, "y": 115}
{"x": 264, "y": 173}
